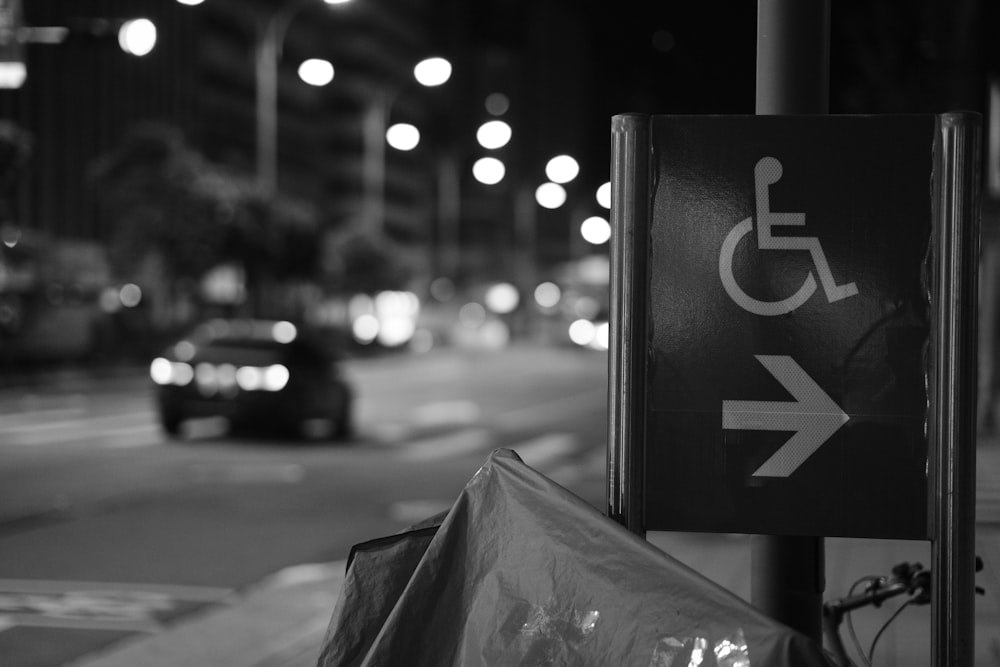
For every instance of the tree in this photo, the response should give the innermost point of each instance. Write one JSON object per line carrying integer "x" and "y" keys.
{"x": 362, "y": 262}
{"x": 163, "y": 197}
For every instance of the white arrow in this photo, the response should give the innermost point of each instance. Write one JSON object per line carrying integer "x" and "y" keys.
{"x": 813, "y": 416}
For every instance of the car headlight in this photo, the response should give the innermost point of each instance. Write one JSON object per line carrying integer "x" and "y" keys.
{"x": 275, "y": 377}
{"x": 164, "y": 372}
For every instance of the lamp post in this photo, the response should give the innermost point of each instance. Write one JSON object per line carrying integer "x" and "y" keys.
{"x": 267, "y": 57}
{"x": 430, "y": 73}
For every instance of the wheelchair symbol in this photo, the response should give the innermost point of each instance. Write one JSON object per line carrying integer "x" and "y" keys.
{"x": 768, "y": 171}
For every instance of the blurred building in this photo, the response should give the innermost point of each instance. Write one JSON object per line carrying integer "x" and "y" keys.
{"x": 83, "y": 94}
{"x": 556, "y": 71}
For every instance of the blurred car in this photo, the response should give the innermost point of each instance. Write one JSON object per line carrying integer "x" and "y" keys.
{"x": 264, "y": 373}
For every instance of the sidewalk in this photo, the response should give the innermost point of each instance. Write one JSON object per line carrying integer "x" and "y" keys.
{"x": 278, "y": 623}
{"x": 281, "y": 621}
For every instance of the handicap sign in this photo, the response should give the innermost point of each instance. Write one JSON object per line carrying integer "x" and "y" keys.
{"x": 812, "y": 416}
{"x": 781, "y": 279}
{"x": 767, "y": 171}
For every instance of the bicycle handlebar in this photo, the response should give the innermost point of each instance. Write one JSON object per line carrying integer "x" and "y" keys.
{"x": 907, "y": 578}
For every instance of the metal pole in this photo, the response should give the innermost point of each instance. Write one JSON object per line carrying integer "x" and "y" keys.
{"x": 793, "y": 74}
{"x": 266, "y": 58}
{"x": 267, "y": 112}
{"x": 373, "y": 163}
{"x": 953, "y": 425}
{"x": 630, "y": 220}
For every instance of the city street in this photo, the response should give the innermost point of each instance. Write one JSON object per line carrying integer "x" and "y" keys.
{"x": 108, "y": 529}
{"x": 110, "y": 532}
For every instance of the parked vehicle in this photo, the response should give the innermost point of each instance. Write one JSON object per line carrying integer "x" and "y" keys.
{"x": 261, "y": 373}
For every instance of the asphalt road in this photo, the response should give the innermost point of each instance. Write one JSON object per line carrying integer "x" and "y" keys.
{"x": 108, "y": 529}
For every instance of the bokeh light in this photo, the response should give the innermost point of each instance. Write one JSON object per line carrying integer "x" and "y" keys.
{"x": 562, "y": 169}
{"x": 604, "y": 195}
{"x": 316, "y": 71}
{"x": 493, "y": 134}
{"x": 595, "y": 230}
{"x": 403, "y": 136}
{"x": 137, "y": 36}
{"x": 547, "y": 294}
{"x": 432, "y": 72}
{"x": 502, "y": 298}
{"x": 489, "y": 170}
{"x": 550, "y": 195}
{"x": 497, "y": 104}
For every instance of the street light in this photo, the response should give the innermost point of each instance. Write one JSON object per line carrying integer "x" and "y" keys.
{"x": 268, "y": 55}
{"x": 430, "y": 72}
{"x": 137, "y": 37}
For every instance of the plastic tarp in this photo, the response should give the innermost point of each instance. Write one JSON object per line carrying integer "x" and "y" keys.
{"x": 521, "y": 572}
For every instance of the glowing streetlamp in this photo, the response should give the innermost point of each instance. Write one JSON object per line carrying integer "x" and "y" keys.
{"x": 494, "y": 134}
{"x": 430, "y": 72}
{"x": 562, "y": 169}
{"x": 137, "y": 36}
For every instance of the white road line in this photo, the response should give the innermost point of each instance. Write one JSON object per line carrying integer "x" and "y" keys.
{"x": 50, "y": 586}
{"x": 545, "y": 449}
{"x": 62, "y": 431}
{"x": 93, "y": 421}
{"x": 33, "y": 416}
{"x": 570, "y": 473}
{"x": 110, "y": 624}
{"x": 445, "y": 412}
{"x": 549, "y": 411}
{"x": 89, "y": 435}
{"x": 464, "y": 441}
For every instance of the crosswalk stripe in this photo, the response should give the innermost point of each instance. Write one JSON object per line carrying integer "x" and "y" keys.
{"x": 548, "y": 411}
{"x": 544, "y": 449}
{"x": 459, "y": 442}
{"x": 69, "y": 434}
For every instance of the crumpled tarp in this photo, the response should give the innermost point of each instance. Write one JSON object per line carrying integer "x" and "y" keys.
{"x": 521, "y": 572}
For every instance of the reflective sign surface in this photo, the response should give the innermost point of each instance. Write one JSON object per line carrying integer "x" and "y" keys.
{"x": 788, "y": 321}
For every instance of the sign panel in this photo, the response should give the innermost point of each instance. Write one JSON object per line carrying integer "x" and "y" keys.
{"x": 787, "y": 320}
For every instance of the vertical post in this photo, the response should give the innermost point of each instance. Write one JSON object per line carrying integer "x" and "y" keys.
{"x": 266, "y": 58}
{"x": 793, "y": 74}
{"x": 449, "y": 198}
{"x": 373, "y": 167}
{"x": 953, "y": 378}
{"x": 267, "y": 111}
{"x": 630, "y": 215}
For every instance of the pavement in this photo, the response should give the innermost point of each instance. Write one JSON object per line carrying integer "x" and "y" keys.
{"x": 281, "y": 621}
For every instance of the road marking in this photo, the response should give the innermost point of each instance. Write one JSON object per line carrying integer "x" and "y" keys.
{"x": 813, "y": 416}
{"x": 248, "y": 473}
{"x": 68, "y": 436}
{"x": 182, "y": 591}
{"x": 31, "y": 417}
{"x": 541, "y": 451}
{"x": 125, "y": 607}
{"x": 549, "y": 411}
{"x": 460, "y": 442}
{"x": 445, "y": 412}
{"x": 413, "y": 511}
{"x": 594, "y": 466}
